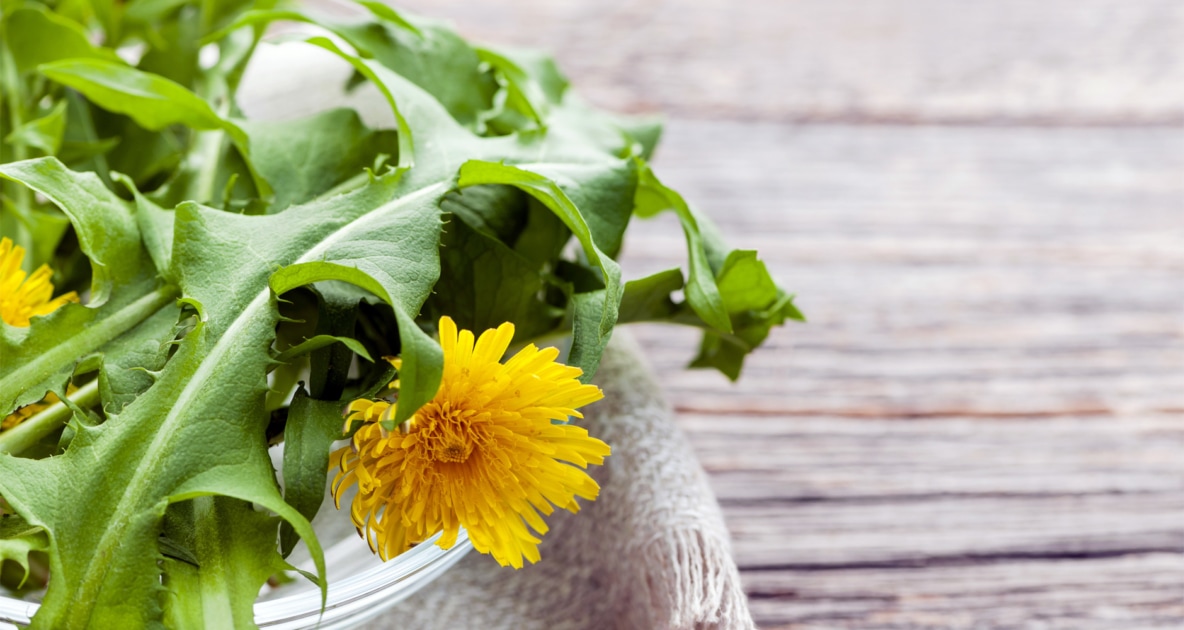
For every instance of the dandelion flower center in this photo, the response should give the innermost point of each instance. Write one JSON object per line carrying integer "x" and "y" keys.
{"x": 492, "y": 452}
{"x": 446, "y": 435}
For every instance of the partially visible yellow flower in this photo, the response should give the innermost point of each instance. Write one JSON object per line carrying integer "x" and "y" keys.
{"x": 32, "y": 409}
{"x": 24, "y": 297}
{"x": 489, "y": 453}
{"x": 28, "y": 411}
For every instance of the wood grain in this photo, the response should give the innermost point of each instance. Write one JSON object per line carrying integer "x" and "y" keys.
{"x": 1052, "y": 62}
{"x": 1077, "y": 594}
{"x": 983, "y": 424}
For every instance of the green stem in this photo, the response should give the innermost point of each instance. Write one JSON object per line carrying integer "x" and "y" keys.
{"x": 12, "y": 91}
{"x": 207, "y": 149}
{"x": 208, "y": 146}
{"x": 207, "y": 16}
{"x": 24, "y": 435}
{"x": 183, "y": 606}
{"x": 207, "y": 153}
{"x": 88, "y": 131}
{"x": 201, "y": 596}
{"x": 217, "y": 609}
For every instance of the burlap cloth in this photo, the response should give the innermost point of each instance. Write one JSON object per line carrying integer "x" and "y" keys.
{"x": 651, "y": 552}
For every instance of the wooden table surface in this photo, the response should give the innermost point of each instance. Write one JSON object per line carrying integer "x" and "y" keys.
{"x": 981, "y": 208}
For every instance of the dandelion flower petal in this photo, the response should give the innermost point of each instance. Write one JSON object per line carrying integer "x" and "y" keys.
{"x": 24, "y": 297}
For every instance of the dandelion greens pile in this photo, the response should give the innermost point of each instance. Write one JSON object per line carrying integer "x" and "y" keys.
{"x": 183, "y": 288}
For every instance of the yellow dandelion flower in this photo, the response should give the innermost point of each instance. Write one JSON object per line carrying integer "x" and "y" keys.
{"x": 489, "y": 453}
{"x": 21, "y": 297}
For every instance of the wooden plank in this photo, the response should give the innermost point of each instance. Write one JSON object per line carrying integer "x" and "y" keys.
{"x": 1084, "y": 594}
{"x": 832, "y": 493}
{"x": 982, "y": 424}
{"x": 946, "y": 271}
{"x": 770, "y": 460}
{"x": 1056, "y": 61}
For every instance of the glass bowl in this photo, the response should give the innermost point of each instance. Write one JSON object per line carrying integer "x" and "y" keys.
{"x": 361, "y": 586}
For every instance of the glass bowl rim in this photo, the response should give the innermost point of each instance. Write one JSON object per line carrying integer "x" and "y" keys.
{"x": 349, "y": 600}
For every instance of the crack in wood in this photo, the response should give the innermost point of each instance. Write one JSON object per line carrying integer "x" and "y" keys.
{"x": 966, "y": 559}
{"x": 911, "y": 414}
{"x": 921, "y": 497}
